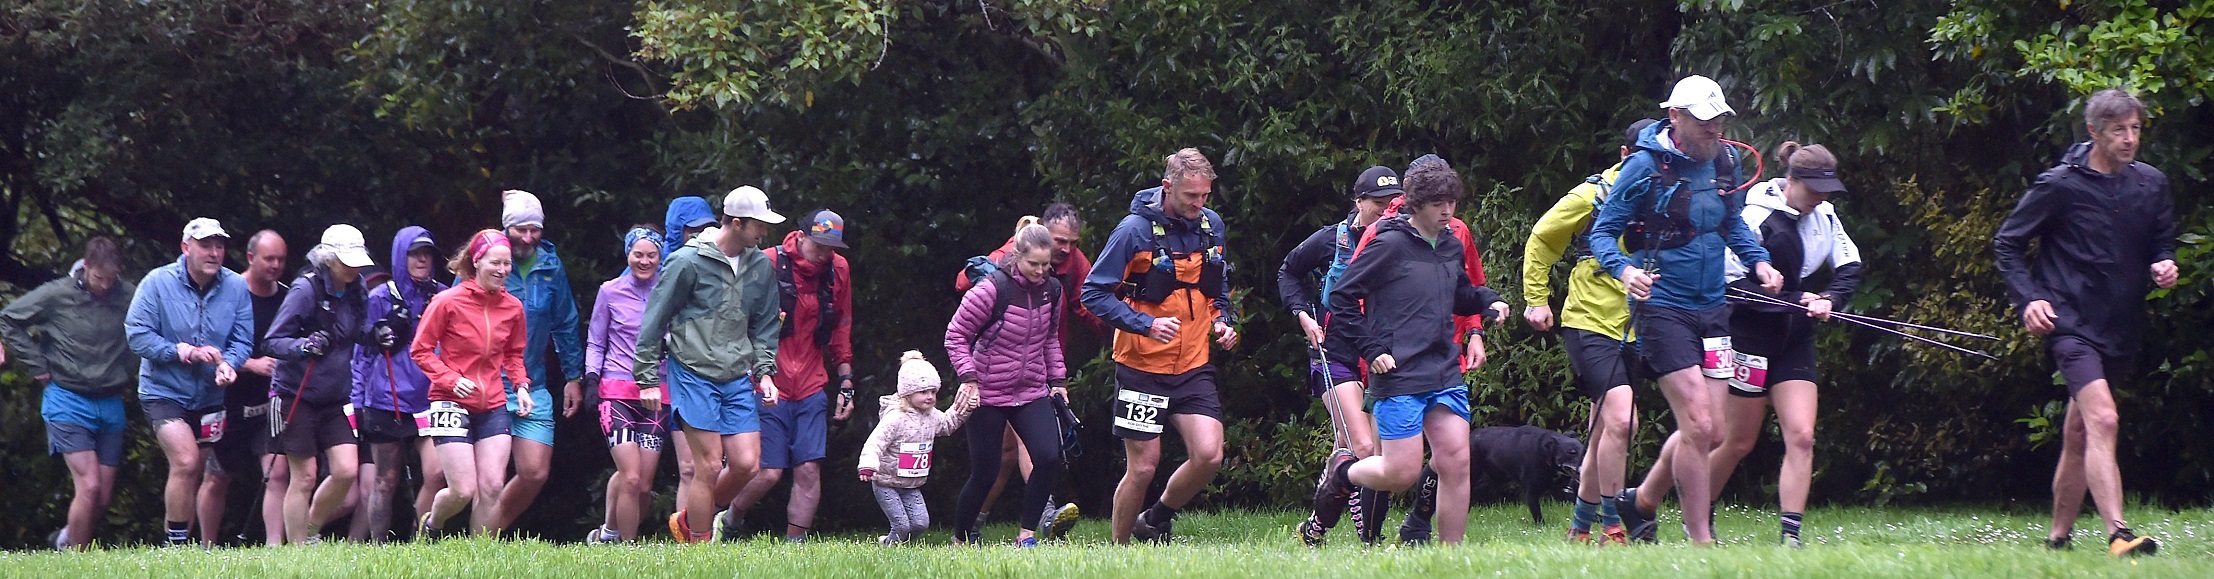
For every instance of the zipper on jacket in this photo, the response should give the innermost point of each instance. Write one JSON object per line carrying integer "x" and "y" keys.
{"x": 486, "y": 315}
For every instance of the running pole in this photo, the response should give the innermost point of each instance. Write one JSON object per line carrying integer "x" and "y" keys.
{"x": 1740, "y": 295}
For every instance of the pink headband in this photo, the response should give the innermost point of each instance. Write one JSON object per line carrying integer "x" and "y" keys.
{"x": 484, "y": 241}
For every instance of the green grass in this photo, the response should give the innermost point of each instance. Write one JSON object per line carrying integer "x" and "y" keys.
{"x": 1845, "y": 542}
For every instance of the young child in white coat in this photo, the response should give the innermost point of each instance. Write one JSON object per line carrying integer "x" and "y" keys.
{"x": 896, "y": 459}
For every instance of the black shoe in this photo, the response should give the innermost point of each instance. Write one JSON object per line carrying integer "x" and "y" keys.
{"x": 971, "y": 537}
{"x": 2060, "y": 543}
{"x": 1413, "y": 535}
{"x": 1147, "y": 531}
{"x": 1312, "y": 533}
{"x": 2126, "y": 542}
{"x": 1333, "y": 491}
{"x": 1644, "y": 527}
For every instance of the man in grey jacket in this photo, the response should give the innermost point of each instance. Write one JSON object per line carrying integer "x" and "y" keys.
{"x": 69, "y": 334}
{"x": 714, "y": 312}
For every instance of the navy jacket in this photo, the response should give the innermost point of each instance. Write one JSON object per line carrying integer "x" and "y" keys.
{"x": 1412, "y": 289}
{"x": 2098, "y": 236}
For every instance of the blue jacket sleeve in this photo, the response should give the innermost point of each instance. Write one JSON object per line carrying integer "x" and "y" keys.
{"x": 142, "y": 324}
{"x": 241, "y": 344}
{"x": 568, "y": 337}
{"x": 1633, "y": 183}
{"x": 1107, "y": 269}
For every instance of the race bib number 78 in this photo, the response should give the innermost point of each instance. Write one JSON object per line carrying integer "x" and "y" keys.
{"x": 914, "y": 459}
{"x": 1138, "y": 411}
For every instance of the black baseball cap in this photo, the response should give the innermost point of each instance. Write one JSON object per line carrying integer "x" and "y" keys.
{"x": 1377, "y": 181}
{"x": 1819, "y": 179}
{"x": 1629, "y": 136}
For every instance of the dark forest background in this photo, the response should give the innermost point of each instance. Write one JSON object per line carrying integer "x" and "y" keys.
{"x": 933, "y": 125}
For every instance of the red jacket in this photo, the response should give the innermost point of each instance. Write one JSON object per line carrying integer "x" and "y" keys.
{"x": 468, "y": 331}
{"x": 1469, "y": 260}
{"x": 1071, "y": 273}
{"x": 800, "y": 367}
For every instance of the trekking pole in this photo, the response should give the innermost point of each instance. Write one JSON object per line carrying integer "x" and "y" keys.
{"x": 1318, "y": 363}
{"x": 1740, "y": 296}
{"x": 1877, "y": 320}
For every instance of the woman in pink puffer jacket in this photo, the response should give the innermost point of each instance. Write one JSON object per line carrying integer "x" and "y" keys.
{"x": 1011, "y": 364}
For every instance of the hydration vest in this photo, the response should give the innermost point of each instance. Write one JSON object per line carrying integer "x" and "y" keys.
{"x": 1664, "y": 221}
{"x": 787, "y": 290}
{"x": 1154, "y": 282}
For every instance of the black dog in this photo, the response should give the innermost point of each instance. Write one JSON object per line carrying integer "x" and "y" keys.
{"x": 1533, "y": 457}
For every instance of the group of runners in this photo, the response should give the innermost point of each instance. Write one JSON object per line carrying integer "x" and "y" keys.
{"x": 729, "y": 352}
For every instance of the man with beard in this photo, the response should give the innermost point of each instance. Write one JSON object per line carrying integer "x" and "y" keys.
{"x": 1674, "y": 207}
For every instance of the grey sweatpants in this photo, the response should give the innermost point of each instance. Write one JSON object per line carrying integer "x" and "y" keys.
{"x": 905, "y": 509}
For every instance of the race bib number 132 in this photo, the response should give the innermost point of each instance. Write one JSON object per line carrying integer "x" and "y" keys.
{"x": 1139, "y": 411}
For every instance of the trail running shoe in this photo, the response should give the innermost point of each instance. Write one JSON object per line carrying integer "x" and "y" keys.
{"x": 1412, "y": 536}
{"x": 57, "y": 540}
{"x": 1147, "y": 531}
{"x": 1312, "y": 533}
{"x": 1026, "y": 542}
{"x": 1792, "y": 541}
{"x": 2126, "y": 542}
{"x": 600, "y": 536}
{"x": 2060, "y": 543}
{"x": 1643, "y": 526}
{"x": 1614, "y": 535}
{"x": 1060, "y": 520}
{"x": 969, "y": 537}
{"x": 1332, "y": 494}
{"x": 1579, "y": 536}
{"x": 723, "y": 532}
{"x": 679, "y": 529}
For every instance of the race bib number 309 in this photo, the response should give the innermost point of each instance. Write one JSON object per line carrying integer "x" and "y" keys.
{"x": 1139, "y": 411}
{"x": 445, "y": 418}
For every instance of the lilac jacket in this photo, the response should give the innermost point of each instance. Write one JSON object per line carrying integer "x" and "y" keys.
{"x": 1016, "y": 362}
{"x": 613, "y": 340}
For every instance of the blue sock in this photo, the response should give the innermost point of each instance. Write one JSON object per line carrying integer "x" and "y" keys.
{"x": 1610, "y": 515}
{"x": 1586, "y": 512}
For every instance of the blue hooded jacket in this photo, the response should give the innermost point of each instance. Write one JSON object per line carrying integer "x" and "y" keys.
{"x": 1691, "y": 275}
{"x": 683, "y": 211}
{"x": 166, "y": 311}
{"x": 394, "y": 382}
{"x": 550, "y": 319}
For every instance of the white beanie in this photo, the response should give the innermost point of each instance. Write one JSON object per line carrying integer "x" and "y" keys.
{"x": 518, "y": 207}
{"x": 916, "y": 374}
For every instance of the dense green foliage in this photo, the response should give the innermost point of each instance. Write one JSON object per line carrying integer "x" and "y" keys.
{"x": 933, "y": 125}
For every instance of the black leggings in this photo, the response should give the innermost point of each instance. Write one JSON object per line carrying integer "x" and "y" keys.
{"x": 1040, "y": 432}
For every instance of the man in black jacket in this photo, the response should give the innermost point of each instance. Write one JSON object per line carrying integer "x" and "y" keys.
{"x": 1396, "y": 304}
{"x": 2105, "y": 227}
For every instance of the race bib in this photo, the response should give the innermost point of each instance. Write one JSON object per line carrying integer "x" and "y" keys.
{"x": 255, "y": 411}
{"x": 914, "y": 459}
{"x": 352, "y": 424}
{"x": 1717, "y": 364}
{"x": 211, "y": 426}
{"x": 1751, "y": 376}
{"x": 445, "y": 418}
{"x": 1138, "y": 411}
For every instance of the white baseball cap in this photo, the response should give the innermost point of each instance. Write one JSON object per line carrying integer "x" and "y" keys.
{"x": 203, "y": 228}
{"x": 749, "y": 202}
{"x": 346, "y": 241}
{"x": 1699, "y": 96}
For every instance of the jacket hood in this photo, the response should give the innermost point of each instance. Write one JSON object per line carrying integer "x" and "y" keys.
{"x": 320, "y": 278}
{"x": 888, "y": 404}
{"x": 416, "y": 292}
{"x": 1655, "y": 138}
{"x": 2078, "y": 156}
{"x": 549, "y": 260}
{"x": 683, "y": 210}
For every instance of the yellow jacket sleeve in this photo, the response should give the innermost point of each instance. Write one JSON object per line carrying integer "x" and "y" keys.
{"x": 1554, "y": 233}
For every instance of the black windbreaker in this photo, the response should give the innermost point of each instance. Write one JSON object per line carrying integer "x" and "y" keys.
{"x": 1399, "y": 297}
{"x": 1296, "y": 282}
{"x": 2098, "y": 236}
